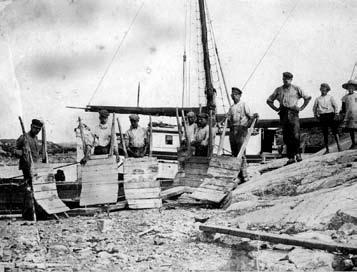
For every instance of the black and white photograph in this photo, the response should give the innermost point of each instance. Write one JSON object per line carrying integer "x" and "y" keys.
{"x": 178, "y": 135}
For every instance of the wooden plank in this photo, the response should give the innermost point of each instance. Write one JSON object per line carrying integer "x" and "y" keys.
{"x": 280, "y": 239}
{"x": 45, "y": 194}
{"x": 196, "y": 171}
{"x": 219, "y": 181}
{"x": 141, "y": 168}
{"x": 139, "y": 178}
{"x": 99, "y": 194}
{"x": 172, "y": 192}
{"x": 99, "y": 162}
{"x": 44, "y": 187}
{"x": 104, "y": 178}
{"x": 224, "y": 189}
{"x": 99, "y": 169}
{"x": 145, "y": 203}
{"x": 221, "y": 172}
{"x": 88, "y": 188}
{"x": 225, "y": 162}
{"x": 142, "y": 184}
{"x": 208, "y": 194}
{"x": 142, "y": 193}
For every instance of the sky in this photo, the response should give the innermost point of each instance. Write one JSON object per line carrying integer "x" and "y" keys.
{"x": 53, "y": 54}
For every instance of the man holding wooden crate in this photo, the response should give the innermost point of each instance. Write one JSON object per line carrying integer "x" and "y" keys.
{"x": 136, "y": 138}
{"x": 239, "y": 117}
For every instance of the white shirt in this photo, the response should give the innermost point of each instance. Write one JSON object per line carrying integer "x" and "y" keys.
{"x": 325, "y": 104}
{"x": 102, "y": 134}
{"x": 136, "y": 137}
{"x": 239, "y": 114}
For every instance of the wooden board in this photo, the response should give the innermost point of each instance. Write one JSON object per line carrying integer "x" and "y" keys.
{"x": 145, "y": 203}
{"x": 280, "y": 239}
{"x": 202, "y": 193}
{"x": 142, "y": 184}
{"x": 99, "y": 181}
{"x": 45, "y": 190}
{"x": 142, "y": 193}
{"x": 173, "y": 192}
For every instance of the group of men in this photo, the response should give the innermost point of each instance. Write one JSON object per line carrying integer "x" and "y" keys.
{"x": 239, "y": 119}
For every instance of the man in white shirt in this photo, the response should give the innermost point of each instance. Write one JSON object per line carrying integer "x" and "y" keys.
{"x": 326, "y": 110}
{"x": 191, "y": 126}
{"x": 136, "y": 139}
{"x": 239, "y": 117}
{"x": 201, "y": 139}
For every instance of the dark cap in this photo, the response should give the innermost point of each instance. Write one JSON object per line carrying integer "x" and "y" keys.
{"x": 236, "y": 90}
{"x": 36, "y": 123}
{"x": 134, "y": 117}
{"x": 104, "y": 113}
{"x": 288, "y": 75}
{"x": 325, "y": 85}
{"x": 203, "y": 115}
{"x": 191, "y": 114}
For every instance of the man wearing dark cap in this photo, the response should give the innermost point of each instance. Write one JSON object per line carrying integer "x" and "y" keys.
{"x": 239, "y": 117}
{"x": 201, "y": 138}
{"x": 136, "y": 138}
{"x": 25, "y": 164}
{"x": 288, "y": 96}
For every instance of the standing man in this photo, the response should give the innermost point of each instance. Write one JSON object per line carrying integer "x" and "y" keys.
{"x": 349, "y": 110}
{"x": 288, "y": 96}
{"x": 102, "y": 134}
{"x": 239, "y": 117}
{"x": 25, "y": 163}
{"x": 191, "y": 126}
{"x": 326, "y": 111}
{"x": 201, "y": 139}
{"x": 136, "y": 138}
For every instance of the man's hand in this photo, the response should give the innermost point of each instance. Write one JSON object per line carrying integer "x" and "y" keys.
{"x": 83, "y": 161}
{"x": 256, "y": 115}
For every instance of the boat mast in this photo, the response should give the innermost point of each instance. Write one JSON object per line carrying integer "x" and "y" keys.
{"x": 209, "y": 90}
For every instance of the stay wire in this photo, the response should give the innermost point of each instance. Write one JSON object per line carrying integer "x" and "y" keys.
{"x": 270, "y": 45}
{"x": 115, "y": 54}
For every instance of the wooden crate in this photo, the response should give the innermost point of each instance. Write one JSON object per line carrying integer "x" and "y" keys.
{"x": 99, "y": 181}
{"x": 141, "y": 187}
{"x": 45, "y": 190}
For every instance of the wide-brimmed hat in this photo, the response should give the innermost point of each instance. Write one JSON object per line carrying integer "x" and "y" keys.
{"x": 351, "y": 82}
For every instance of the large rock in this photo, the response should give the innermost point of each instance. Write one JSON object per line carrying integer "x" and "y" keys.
{"x": 311, "y": 192}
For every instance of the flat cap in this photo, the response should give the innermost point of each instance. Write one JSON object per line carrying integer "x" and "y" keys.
{"x": 104, "y": 113}
{"x": 134, "y": 117}
{"x": 203, "y": 115}
{"x": 236, "y": 90}
{"x": 191, "y": 114}
{"x": 325, "y": 85}
{"x": 36, "y": 123}
{"x": 288, "y": 75}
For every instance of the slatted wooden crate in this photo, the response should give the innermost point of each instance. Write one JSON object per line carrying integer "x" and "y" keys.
{"x": 192, "y": 172}
{"x": 99, "y": 181}
{"x": 45, "y": 190}
{"x": 220, "y": 180}
{"x": 142, "y": 189}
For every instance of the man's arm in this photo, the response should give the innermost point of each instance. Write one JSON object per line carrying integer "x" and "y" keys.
{"x": 306, "y": 101}
{"x": 314, "y": 109}
{"x": 271, "y": 99}
{"x": 19, "y": 146}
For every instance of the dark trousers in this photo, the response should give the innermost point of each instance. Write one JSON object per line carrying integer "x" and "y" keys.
{"x": 289, "y": 120}
{"x": 237, "y": 134}
{"x": 101, "y": 150}
{"x": 327, "y": 120}
{"x": 201, "y": 151}
{"x": 27, "y": 210}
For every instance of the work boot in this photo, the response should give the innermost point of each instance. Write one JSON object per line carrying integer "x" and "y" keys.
{"x": 290, "y": 161}
{"x": 298, "y": 158}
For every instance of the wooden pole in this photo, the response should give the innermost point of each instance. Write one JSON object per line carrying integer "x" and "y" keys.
{"x": 138, "y": 98}
{"x": 44, "y": 144}
{"x": 279, "y": 239}
{"x": 179, "y": 126}
{"x": 246, "y": 140}
{"x": 82, "y": 136}
{"x": 210, "y": 140}
{"x": 185, "y": 129}
{"x": 122, "y": 139}
{"x": 221, "y": 140}
{"x": 150, "y": 140}
{"x": 112, "y": 137}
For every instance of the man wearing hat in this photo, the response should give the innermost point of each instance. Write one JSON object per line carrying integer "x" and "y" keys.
{"x": 136, "y": 139}
{"x": 25, "y": 164}
{"x": 191, "y": 126}
{"x": 349, "y": 110}
{"x": 201, "y": 139}
{"x": 326, "y": 110}
{"x": 239, "y": 117}
{"x": 288, "y": 96}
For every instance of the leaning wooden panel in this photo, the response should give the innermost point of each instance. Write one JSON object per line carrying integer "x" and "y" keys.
{"x": 142, "y": 190}
{"x": 99, "y": 181}
{"x": 45, "y": 190}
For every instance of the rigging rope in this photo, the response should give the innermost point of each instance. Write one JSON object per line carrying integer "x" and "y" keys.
{"x": 115, "y": 54}
{"x": 270, "y": 45}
